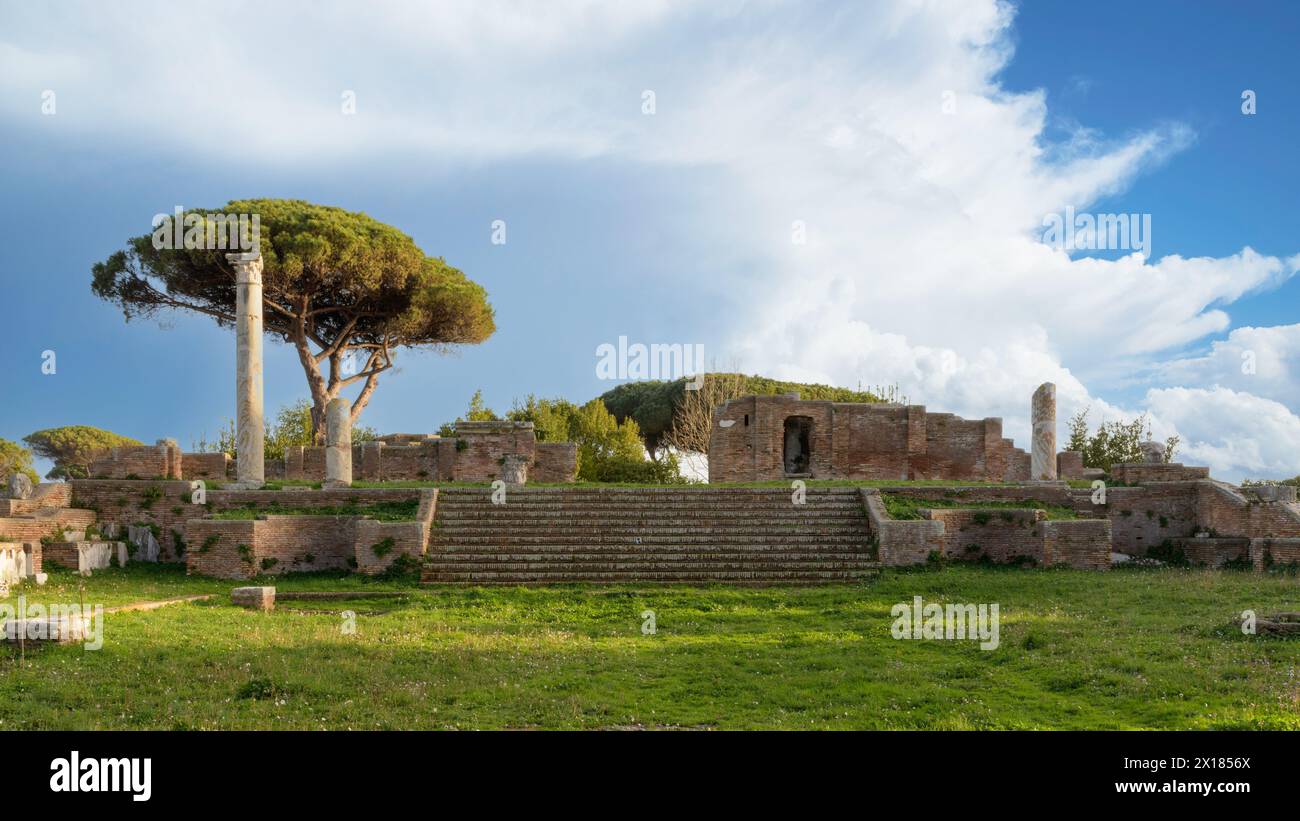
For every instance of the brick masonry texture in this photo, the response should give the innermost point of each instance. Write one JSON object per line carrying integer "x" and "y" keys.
{"x": 161, "y": 461}
{"x": 859, "y": 441}
{"x": 1000, "y": 535}
{"x": 473, "y": 454}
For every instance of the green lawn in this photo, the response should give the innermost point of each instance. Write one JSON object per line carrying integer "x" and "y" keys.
{"x": 1123, "y": 649}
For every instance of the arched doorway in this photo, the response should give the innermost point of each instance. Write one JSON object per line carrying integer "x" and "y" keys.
{"x": 798, "y": 444}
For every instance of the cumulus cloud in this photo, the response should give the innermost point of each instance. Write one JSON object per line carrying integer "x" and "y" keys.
{"x": 880, "y": 130}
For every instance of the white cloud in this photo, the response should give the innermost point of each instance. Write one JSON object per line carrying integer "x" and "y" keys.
{"x": 1237, "y": 434}
{"x": 922, "y": 265}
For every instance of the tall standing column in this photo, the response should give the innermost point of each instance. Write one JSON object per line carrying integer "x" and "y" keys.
{"x": 250, "y": 426}
{"x": 338, "y": 443}
{"x": 1042, "y": 459}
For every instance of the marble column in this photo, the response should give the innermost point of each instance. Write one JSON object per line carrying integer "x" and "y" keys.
{"x": 338, "y": 443}
{"x": 250, "y": 425}
{"x": 1042, "y": 459}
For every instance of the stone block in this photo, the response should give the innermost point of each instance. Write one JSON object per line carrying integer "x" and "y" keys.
{"x": 254, "y": 598}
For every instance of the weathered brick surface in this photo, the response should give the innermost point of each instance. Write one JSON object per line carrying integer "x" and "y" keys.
{"x": 128, "y": 502}
{"x": 473, "y": 454}
{"x": 214, "y": 548}
{"x": 1267, "y": 553}
{"x": 161, "y": 461}
{"x": 205, "y": 466}
{"x": 1069, "y": 464}
{"x": 1140, "y": 474}
{"x": 858, "y": 441}
{"x": 308, "y": 497}
{"x": 1002, "y": 536}
{"x": 46, "y": 496}
{"x": 555, "y": 462}
{"x": 1145, "y": 517}
{"x": 1080, "y": 543}
{"x": 275, "y": 545}
{"x": 1214, "y": 552}
{"x": 900, "y": 543}
{"x": 409, "y": 538}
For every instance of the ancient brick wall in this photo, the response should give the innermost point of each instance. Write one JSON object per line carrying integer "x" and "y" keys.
{"x": 127, "y": 502}
{"x": 1213, "y": 552}
{"x": 215, "y": 548}
{"x": 1051, "y": 494}
{"x": 161, "y": 461}
{"x": 407, "y": 539}
{"x": 45, "y": 496}
{"x": 1000, "y": 535}
{"x": 292, "y": 497}
{"x": 554, "y": 462}
{"x": 1270, "y": 553}
{"x": 1069, "y": 464}
{"x": 1084, "y": 544}
{"x": 473, "y": 454}
{"x": 900, "y": 543}
{"x": 304, "y": 543}
{"x": 205, "y": 465}
{"x": 1140, "y": 474}
{"x": 858, "y": 441}
{"x": 243, "y": 548}
{"x": 1145, "y": 517}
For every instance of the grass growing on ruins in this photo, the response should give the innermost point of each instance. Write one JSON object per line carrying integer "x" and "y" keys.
{"x": 1140, "y": 648}
{"x": 380, "y": 511}
{"x": 907, "y": 507}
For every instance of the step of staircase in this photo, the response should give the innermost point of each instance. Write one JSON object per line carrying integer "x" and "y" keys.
{"x": 746, "y": 536}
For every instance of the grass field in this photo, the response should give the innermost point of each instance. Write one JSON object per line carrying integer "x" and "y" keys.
{"x": 1123, "y": 649}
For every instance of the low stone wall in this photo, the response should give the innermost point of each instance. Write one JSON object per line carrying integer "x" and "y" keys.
{"x": 900, "y": 543}
{"x": 375, "y": 554}
{"x": 222, "y": 548}
{"x": 205, "y": 465}
{"x": 1213, "y": 552}
{"x": 45, "y": 496}
{"x": 307, "y": 497}
{"x": 1142, "y": 518}
{"x": 1270, "y": 553}
{"x": 473, "y": 454}
{"x": 160, "y": 461}
{"x": 244, "y": 548}
{"x": 1146, "y": 473}
{"x": 1049, "y": 493}
{"x": 1002, "y": 536}
{"x": 1084, "y": 544}
{"x": 555, "y": 462}
{"x": 85, "y": 556}
{"x": 162, "y": 504}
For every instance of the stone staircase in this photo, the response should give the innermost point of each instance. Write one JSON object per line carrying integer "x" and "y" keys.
{"x": 749, "y": 536}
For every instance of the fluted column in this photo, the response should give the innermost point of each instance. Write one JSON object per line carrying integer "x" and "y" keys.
{"x": 250, "y": 424}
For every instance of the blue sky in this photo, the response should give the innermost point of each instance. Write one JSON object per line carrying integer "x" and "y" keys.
{"x": 920, "y": 270}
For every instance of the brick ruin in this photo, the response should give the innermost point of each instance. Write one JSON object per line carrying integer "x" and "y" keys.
{"x": 758, "y": 438}
{"x": 143, "y": 505}
{"x": 475, "y": 452}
